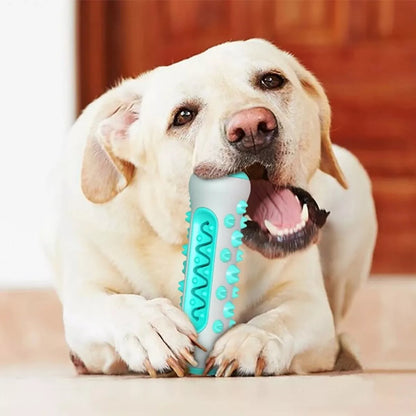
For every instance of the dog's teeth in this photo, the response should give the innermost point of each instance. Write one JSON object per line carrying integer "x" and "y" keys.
{"x": 248, "y": 217}
{"x": 281, "y": 232}
{"x": 305, "y": 213}
{"x": 273, "y": 230}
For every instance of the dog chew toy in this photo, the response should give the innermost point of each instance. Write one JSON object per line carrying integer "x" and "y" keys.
{"x": 210, "y": 269}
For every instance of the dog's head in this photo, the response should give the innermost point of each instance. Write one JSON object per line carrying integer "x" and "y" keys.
{"x": 238, "y": 106}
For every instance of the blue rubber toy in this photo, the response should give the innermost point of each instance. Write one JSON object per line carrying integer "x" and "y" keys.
{"x": 210, "y": 270}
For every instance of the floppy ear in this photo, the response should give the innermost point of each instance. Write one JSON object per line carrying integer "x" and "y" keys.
{"x": 313, "y": 88}
{"x": 105, "y": 170}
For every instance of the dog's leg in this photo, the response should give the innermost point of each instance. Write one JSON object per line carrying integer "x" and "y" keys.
{"x": 348, "y": 238}
{"x": 292, "y": 330}
{"x": 109, "y": 329}
{"x": 118, "y": 333}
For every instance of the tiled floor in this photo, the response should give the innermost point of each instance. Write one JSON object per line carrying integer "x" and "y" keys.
{"x": 36, "y": 377}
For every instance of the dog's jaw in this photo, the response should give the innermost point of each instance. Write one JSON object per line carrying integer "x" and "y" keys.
{"x": 272, "y": 240}
{"x": 278, "y": 241}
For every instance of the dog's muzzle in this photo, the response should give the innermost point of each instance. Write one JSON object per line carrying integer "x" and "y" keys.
{"x": 282, "y": 218}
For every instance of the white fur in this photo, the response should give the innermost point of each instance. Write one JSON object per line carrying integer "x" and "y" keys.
{"x": 118, "y": 262}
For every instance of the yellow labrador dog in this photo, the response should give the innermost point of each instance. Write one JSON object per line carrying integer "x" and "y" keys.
{"x": 117, "y": 227}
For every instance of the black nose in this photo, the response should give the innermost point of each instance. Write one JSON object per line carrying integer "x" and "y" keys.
{"x": 252, "y": 130}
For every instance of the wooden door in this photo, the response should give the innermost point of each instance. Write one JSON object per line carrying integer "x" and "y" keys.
{"x": 364, "y": 53}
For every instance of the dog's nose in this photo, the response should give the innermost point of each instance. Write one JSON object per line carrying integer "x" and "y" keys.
{"x": 252, "y": 130}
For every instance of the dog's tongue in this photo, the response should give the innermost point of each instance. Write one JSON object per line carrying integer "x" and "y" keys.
{"x": 277, "y": 205}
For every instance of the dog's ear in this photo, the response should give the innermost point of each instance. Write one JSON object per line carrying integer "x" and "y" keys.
{"x": 328, "y": 163}
{"x": 313, "y": 88}
{"x": 105, "y": 168}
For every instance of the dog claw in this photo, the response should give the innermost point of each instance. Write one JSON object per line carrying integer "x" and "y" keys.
{"x": 188, "y": 357}
{"x": 194, "y": 340}
{"x": 78, "y": 364}
{"x": 208, "y": 365}
{"x": 231, "y": 368}
{"x": 222, "y": 368}
{"x": 150, "y": 369}
{"x": 181, "y": 361}
{"x": 261, "y": 364}
{"x": 175, "y": 366}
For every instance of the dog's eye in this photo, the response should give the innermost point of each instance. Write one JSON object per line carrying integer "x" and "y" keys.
{"x": 183, "y": 116}
{"x": 272, "y": 81}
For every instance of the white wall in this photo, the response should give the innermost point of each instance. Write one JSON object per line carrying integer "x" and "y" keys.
{"x": 37, "y": 96}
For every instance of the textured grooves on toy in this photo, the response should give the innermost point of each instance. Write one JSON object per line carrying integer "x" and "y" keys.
{"x": 198, "y": 270}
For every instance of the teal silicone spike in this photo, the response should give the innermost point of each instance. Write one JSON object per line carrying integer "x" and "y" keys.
{"x": 243, "y": 222}
{"x": 232, "y": 274}
{"x": 231, "y": 323}
{"x": 234, "y": 293}
{"x": 188, "y": 216}
{"x": 236, "y": 238}
{"x": 241, "y": 207}
{"x": 239, "y": 255}
{"x": 185, "y": 249}
{"x": 184, "y": 267}
{"x": 181, "y": 301}
{"x": 225, "y": 255}
{"x": 218, "y": 326}
{"x": 229, "y": 220}
{"x": 221, "y": 293}
{"x": 228, "y": 310}
{"x": 181, "y": 283}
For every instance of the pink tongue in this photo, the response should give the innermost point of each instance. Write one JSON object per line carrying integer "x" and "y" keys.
{"x": 278, "y": 205}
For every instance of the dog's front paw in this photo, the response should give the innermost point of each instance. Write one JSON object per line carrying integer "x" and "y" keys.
{"x": 248, "y": 350}
{"x": 153, "y": 336}
{"x": 133, "y": 334}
